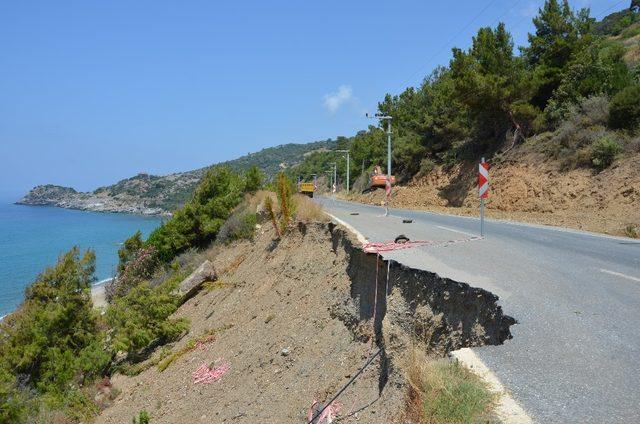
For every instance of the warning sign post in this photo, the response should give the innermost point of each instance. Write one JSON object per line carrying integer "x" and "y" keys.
{"x": 483, "y": 190}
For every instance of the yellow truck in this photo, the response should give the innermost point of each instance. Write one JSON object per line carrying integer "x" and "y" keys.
{"x": 307, "y": 189}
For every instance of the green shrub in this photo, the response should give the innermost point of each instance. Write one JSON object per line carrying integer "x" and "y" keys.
{"x": 240, "y": 226}
{"x": 426, "y": 166}
{"x": 52, "y": 345}
{"x": 284, "y": 191}
{"x": 625, "y": 109}
{"x": 139, "y": 267}
{"x": 528, "y": 117}
{"x": 143, "y": 418}
{"x": 253, "y": 180}
{"x": 129, "y": 249}
{"x": 604, "y": 151}
{"x": 142, "y": 317}
{"x": 198, "y": 222}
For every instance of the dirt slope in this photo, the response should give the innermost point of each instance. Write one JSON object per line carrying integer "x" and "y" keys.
{"x": 296, "y": 319}
{"x": 532, "y": 188}
{"x": 269, "y": 299}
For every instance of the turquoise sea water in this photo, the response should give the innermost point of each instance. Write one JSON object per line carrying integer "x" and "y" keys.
{"x": 32, "y": 238}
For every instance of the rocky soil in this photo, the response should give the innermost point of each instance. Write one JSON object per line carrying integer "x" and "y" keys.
{"x": 532, "y": 188}
{"x": 295, "y": 319}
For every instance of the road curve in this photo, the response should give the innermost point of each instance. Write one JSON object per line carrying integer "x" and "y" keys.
{"x": 575, "y": 352}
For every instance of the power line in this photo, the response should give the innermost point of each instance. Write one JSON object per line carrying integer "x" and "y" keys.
{"x": 608, "y": 9}
{"x": 447, "y": 44}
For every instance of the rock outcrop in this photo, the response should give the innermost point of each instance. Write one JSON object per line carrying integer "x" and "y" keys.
{"x": 193, "y": 283}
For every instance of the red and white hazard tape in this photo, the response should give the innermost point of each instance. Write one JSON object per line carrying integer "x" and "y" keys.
{"x": 388, "y": 246}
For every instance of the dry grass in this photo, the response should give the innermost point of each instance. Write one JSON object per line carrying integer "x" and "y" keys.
{"x": 207, "y": 337}
{"x": 441, "y": 391}
{"x": 309, "y": 211}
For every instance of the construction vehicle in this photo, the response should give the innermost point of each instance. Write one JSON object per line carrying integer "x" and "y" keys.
{"x": 378, "y": 180}
{"x": 308, "y": 188}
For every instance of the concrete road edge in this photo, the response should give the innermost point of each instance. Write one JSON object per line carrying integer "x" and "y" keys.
{"x": 508, "y": 410}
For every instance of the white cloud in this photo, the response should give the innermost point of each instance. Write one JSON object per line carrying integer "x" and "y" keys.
{"x": 333, "y": 101}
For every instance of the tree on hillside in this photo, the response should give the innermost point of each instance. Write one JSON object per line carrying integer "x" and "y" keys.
{"x": 52, "y": 345}
{"x": 635, "y": 6}
{"x": 488, "y": 80}
{"x": 253, "y": 179}
{"x": 560, "y": 34}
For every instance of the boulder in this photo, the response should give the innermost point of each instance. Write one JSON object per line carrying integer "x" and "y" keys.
{"x": 193, "y": 283}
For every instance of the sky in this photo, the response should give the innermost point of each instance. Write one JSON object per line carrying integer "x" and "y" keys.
{"x": 92, "y": 91}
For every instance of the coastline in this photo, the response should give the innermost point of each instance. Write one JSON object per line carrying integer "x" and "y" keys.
{"x": 99, "y": 208}
{"x": 98, "y": 296}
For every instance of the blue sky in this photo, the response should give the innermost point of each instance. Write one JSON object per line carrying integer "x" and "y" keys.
{"x": 92, "y": 92}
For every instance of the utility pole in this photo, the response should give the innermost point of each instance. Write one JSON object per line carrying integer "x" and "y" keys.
{"x": 348, "y": 166}
{"x": 335, "y": 176}
{"x": 387, "y": 118}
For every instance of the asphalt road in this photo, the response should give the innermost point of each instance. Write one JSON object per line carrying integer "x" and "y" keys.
{"x": 575, "y": 352}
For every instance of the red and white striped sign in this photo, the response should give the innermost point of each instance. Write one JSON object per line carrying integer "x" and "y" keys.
{"x": 483, "y": 180}
{"x": 387, "y": 186}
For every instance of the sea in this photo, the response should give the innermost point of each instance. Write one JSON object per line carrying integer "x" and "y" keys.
{"x": 33, "y": 237}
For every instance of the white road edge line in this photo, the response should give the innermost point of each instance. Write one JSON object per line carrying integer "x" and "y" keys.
{"x": 361, "y": 238}
{"x": 619, "y": 274}
{"x": 455, "y": 231}
{"x": 507, "y": 409}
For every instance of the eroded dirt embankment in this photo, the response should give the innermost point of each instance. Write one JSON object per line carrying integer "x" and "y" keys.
{"x": 295, "y": 323}
{"x": 531, "y": 188}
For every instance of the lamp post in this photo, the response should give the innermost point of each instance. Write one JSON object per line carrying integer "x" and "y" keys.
{"x": 335, "y": 177}
{"x": 348, "y": 166}
{"x": 387, "y": 118}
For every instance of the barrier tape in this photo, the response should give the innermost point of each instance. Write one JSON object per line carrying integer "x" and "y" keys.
{"x": 389, "y": 246}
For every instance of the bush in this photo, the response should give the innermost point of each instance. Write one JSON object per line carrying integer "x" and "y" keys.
{"x": 239, "y": 226}
{"x": 139, "y": 267}
{"x": 284, "y": 191}
{"x": 625, "y": 109}
{"x": 253, "y": 180}
{"x": 426, "y": 166}
{"x": 142, "y": 316}
{"x": 143, "y": 418}
{"x": 528, "y": 116}
{"x": 441, "y": 391}
{"x": 52, "y": 345}
{"x": 129, "y": 249}
{"x": 198, "y": 222}
{"x": 604, "y": 151}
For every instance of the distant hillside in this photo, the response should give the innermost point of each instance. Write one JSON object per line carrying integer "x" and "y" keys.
{"x": 156, "y": 195}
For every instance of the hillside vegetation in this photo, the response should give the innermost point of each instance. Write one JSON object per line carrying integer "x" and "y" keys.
{"x": 572, "y": 93}
{"x": 153, "y": 194}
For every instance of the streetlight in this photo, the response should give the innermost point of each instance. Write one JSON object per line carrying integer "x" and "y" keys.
{"x": 387, "y": 118}
{"x": 347, "y": 152}
{"x": 335, "y": 177}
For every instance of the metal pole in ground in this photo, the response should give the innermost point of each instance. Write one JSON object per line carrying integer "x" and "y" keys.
{"x": 481, "y": 217}
{"x": 481, "y": 202}
{"x": 335, "y": 177}
{"x": 388, "y": 164}
{"x": 387, "y": 118}
{"x": 348, "y": 165}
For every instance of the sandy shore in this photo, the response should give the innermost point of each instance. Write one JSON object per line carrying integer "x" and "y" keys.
{"x": 98, "y": 294}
